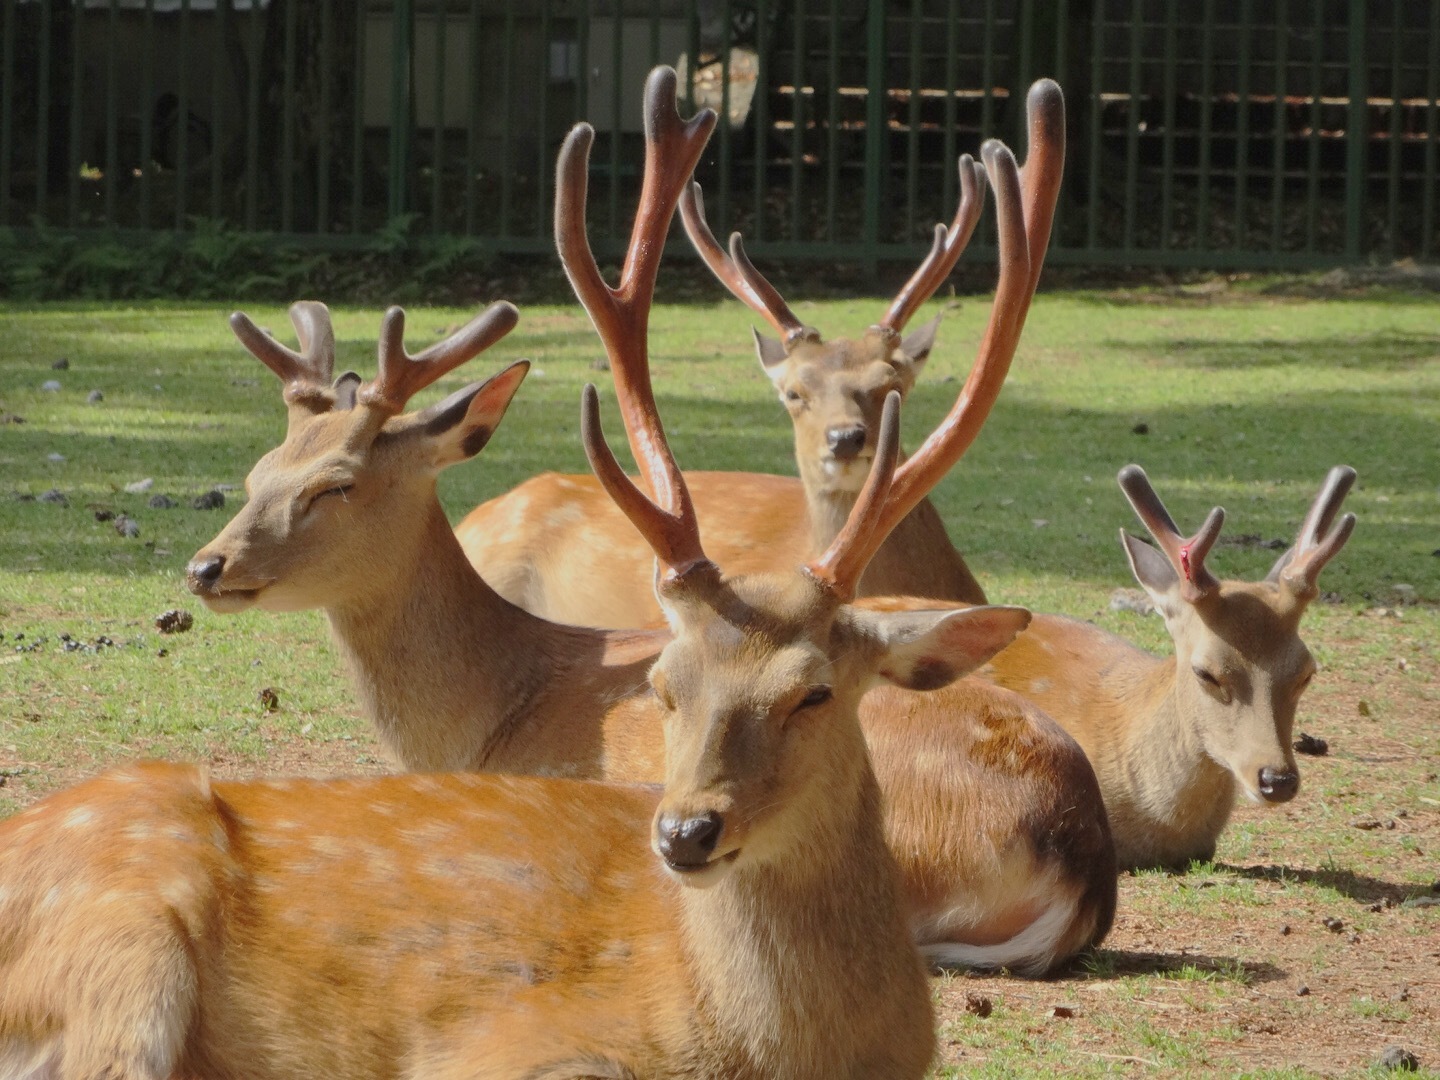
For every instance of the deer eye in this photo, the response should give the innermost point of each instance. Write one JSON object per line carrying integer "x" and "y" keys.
{"x": 793, "y": 396}
{"x": 819, "y": 695}
{"x": 342, "y": 490}
{"x": 1205, "y": 677}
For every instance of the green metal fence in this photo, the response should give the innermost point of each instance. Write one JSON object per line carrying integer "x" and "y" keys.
{"x": 1231, "y": 133}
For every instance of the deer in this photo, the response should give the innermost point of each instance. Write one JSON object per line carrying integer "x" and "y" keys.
{"x": 994, "y": 813}
{"x": 1175, "y": 741}
{"x": 538, "y": 543}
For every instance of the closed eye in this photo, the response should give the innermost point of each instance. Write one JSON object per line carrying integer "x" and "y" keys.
{"x": 342, "y": 491}
{"x": 817, "y": 696}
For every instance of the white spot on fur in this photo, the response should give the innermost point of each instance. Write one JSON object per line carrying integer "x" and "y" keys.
{"x": 567, "y": 514}
{"x": 178, "y": 892}
{"x": 141, "y": 830}
{"x": 1040, "y": 686}
{"x": 78, "y": 818}
{"x": 383, "y": 809}
{"x": 328, "y": 846}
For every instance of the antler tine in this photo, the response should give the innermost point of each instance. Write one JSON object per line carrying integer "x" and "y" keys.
{"x": 736, "y": 272}
{"x": 306, "y": 373}
{"x": 945, "y": 251}
{"x": 1317, "y": 543}
{"x": 621, "y": 315}
{"x": 401, "y": 376}
{"x": 844, "y": 561}
{"x": 1043, "y": 170}
{"x": 675, "y": 543}
{"x": 1186, "y": 554}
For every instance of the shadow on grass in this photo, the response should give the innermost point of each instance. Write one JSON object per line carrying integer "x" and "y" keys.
{"x": 1358, "y": 887}
{"x": 1105, "y": 964}
{"x": 1386, "y": 351}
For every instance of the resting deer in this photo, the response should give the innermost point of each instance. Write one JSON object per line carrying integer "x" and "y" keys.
{"x": 556, "y": 546}
{"x": 1173, "y": 741}
{"x": 992, "y": 809}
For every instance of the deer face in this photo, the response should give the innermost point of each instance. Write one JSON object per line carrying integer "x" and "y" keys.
{"x": 834, "y": 391}
{"x": 760, "y": 690}
{"x": 330, "y": 507}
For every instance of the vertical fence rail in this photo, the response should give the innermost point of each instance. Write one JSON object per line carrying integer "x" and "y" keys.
{"x": 1246, "y": 133}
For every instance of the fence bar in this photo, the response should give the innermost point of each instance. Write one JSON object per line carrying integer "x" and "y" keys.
{"x": 874, "y": 125}
{"x": 402, "y": 50}
{"x": 223, "y": 13}
{"x": 948, "y": 194}
{"x": 798, "y": 121}
{"x": 147, "y": 112}
{"x": 1392, "y": 217}
{"x": 437, "y": 129}
{"x": 1207, "y": 106}
{"x": 1167, "y": 141}
{"x": 912, "y": 118}
{"x": 327, "y": 81}
{"x": 617, "y": 97}
{"x": 542, "y": 122}
{"x": 42, "y": 119}
{"x": 832, "y": 134}
{"x": 1432, "y": 92}
{"x": 507, "y": 110}
{"x": 1242, "y": 125}
{"x": 472, "y": 119}
{"x": 1356, "y": 130}
{"x": 287, "y": 121}
{"x": 76, "y": 96}
{"x": 112, "y": 113}
{"x": 987, "y": 70}
{"x": 1317, "y": 84}
{"x": 1277, "y": 159}
{"x": 1097, "y": 81}
{"x": 724, "y": 134}
{"x": 252, "y": 119}
{"x": 7, "y": 115}
{"x": 1132, "y": 133}
{"x": 760, "y": 104}
{"x": 357, "y": 132}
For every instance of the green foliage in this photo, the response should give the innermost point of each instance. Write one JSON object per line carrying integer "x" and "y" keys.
{"x": 213, "y": 261}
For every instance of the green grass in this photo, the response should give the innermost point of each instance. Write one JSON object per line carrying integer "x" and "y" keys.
{"x": 1248, "y": 402}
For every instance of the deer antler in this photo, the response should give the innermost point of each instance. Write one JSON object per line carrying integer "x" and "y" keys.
{"x": 306, "y": 374}
{"x": 1299, "y": 568}
{"x": 945, "y": 251}
{"x": 1186, "y": 553}
{"x": 737, "y": 273}
{"x": 621, "y": 316}
{"x": 1023, "y": 222}
{"x": 401, "y": 376}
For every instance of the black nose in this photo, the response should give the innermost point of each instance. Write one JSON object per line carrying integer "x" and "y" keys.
{"x": 1279, "y": 785}
{"x": 204, "y": 573}
{"x": 687, "y": 843}
{"x": 846, "y": 442}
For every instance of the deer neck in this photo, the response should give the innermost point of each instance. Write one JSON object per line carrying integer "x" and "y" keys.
{"x": 756, "y": 941}
{"x": 443, "y": 664}
{"x": 1178, "y": 796}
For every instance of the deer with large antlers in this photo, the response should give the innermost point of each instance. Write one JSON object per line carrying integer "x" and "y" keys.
{"x": 1174, "y": 741}
{"x": 992, "y": 810}
{"x": 557, "y": 546}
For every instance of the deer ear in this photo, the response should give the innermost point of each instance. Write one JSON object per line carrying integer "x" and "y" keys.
{"x": 459, "y": 427}
{"x": 1152, "y": 570}
{"x": 772, "y": 354}
{"x": 915, "y": 346}
{"x": 925, "y": 650}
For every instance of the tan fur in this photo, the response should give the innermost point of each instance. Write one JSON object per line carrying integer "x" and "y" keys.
{"x": 536, "y": 555}
{"x": 1171, "y": 758}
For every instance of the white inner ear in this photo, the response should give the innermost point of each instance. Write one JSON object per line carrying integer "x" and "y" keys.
{"x": 925, "y": 650}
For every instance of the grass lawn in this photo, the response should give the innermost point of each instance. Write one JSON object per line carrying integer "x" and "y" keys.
{"x": 1245, "y": 399}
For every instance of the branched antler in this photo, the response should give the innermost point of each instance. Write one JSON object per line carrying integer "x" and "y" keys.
{"x": 401, "y": 376}
{"x": 621, "y": 316}
{"x": 1186, "y": 554}
{"x": 1299, "y": 568}
{"x": 306, "y": 374}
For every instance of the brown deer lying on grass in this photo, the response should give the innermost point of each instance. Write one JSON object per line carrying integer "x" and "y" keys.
{"x": 1174, "y": 740}
{"x": 556, "y": 546}
{"x": 992, "y": 810}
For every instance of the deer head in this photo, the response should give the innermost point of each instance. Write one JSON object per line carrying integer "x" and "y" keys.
{"x": 760, "y": 684}
{"x": 353, "y": 461}
{"x": 834, "y": 390}
{"x": 1240, "y": 666}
